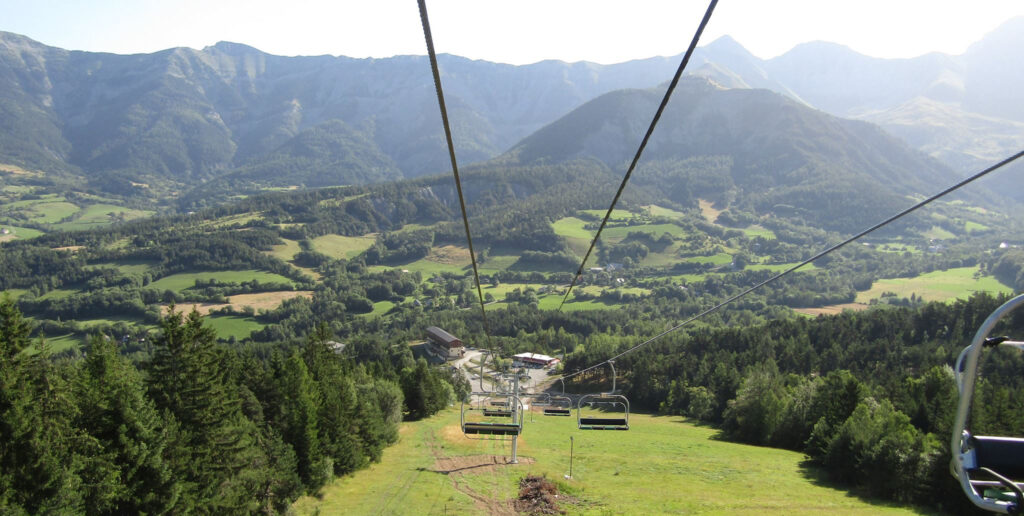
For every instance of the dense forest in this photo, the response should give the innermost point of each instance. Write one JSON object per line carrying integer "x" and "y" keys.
{"x": 197, "y": 427}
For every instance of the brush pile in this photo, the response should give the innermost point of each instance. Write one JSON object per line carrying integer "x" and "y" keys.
{"x": 538, "y": 495}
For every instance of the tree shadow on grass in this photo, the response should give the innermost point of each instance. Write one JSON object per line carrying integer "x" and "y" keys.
{"x": 819, "y": 477}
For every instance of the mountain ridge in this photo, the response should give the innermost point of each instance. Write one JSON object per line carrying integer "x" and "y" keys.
{"x": 181, "y": 117}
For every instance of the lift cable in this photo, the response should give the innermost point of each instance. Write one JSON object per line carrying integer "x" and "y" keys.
{"x": 885, "y": 222}
{"x": 451, "y": 154}
{"x": 643, "y": 143}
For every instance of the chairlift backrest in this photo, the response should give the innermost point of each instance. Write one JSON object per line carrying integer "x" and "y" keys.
{"x": 990, "y": 468}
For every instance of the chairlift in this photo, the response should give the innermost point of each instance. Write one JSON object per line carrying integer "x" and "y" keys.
{"x": 559, "y": 405}
{"x": 474, "y": 426}
{"x": 606, "y": 402}
{"x": 990, "y": 468}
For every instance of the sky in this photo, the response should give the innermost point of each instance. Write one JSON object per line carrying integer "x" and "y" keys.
{"x": 510, "y": 31}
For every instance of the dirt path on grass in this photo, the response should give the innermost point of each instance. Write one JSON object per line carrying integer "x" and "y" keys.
{"x": 459, "y": 468}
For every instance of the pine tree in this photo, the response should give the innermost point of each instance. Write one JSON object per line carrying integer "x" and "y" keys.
{"x": 299, "y": 414}
{"x": 133, "y": 438}
{"x": 39, "y": 469}
{"x": 338, "y": 430}
{"x": 188, "y": 380}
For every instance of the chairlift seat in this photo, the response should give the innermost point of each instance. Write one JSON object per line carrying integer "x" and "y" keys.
{"x": 557, "y": 412}
{"x": 497, "y": 413}
{"x": 1004, "y": 455}
{"x": 603, "y": 423}
{"x": 478, "y": 428}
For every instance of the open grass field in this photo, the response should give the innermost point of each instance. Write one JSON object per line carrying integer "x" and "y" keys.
{"x": 449, "y": 258}
{"x": 60, "y": 343}
{"x": 98, "y": 215}
{"x": 233, "y": 220}
{"x": 182, "y": 281}
{"x": 707, "y": 209}
{"x": 228, "y": 326}
{"x": 717, "y": 259}
{"x": 497, "y": 263}
{"x": 758, "y": 231}
{"x": 958, "y": 283}
{"x": 49, "y": 209}
{"x": 779, "y": 267}
{"x": 572, "y": 227}
{"x": 343, "y": 247}
{"x": 660, "y": 211}
{"x": 831, "y": 309}
{"x": 15, "y": 293}
{"x": 662, "y": 465}
{"x": 666, "y": 258}
{"x": 898, "y": 248}
{"x": 937, "y": 233}
{"x": 617, "y": 234}
{"x": 971, "y": 226}
{"x": 18, "y": 233}
{"x": 59, "y": 293}
{"x": 617, "y": 215}
{"x": 286, "y": 251}
{"x": 380, "y": 308}
{"x": 257, "y": 301}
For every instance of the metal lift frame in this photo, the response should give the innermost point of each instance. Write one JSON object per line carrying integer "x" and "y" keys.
{"x": 607, "y": 398}
{"x": 492, "y": 430}
{"x": 560, "y": 405}
{"x": 999, "y": 460}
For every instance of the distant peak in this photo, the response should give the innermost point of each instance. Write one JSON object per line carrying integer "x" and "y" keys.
{"x": 231, "y": 48}
{"x": 727, "y": 43}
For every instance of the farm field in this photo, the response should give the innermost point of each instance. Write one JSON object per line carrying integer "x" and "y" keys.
{"x": 286, "y": 251}
{"x": 257, "y": 301}
{"x": 228, "y": 326}
{"x": 15, "y": 233}
{"x": 98, "y": 215}
{"x": 660, "y": 211}
{"x": 182, "y": 281}
{"x": 661, "y": 465}
{"x": 958, "y": 283}
{"x": 338, "y": 247}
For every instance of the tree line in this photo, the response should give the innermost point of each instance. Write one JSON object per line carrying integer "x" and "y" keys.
{"x": 197, "y": 427}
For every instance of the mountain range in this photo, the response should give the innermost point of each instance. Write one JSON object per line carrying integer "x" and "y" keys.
{"x": 231, "y": 118}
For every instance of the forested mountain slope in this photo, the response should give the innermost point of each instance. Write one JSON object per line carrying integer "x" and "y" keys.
{"x": 156, "y": 125}
{"x": 754, "y": 148}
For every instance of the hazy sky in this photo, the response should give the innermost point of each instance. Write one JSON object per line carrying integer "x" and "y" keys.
{"x": 510, "y": 31}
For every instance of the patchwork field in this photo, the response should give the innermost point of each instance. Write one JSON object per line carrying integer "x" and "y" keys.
{"x": 662, "y": 465}
{"x": 338, "y": 247}
{"x": 958, "y": 283}
{"x": 258, "y": 301}
{"x": 182, "y": 281}
{"x": 228, "y": 326}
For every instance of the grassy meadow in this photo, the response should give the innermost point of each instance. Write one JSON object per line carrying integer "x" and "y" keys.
{"x": 958, "y": 283}
{"x": 184, "y": 280}
{"x": 343, "y": 247}
{"x": 662, "y": 465}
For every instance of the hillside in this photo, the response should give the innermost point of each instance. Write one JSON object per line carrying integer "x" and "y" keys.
{"x": 434, "y": 469}
{"x": 181, "y": 116}
{"x": 764, "y": 152}
{"x": 155, "y": 126}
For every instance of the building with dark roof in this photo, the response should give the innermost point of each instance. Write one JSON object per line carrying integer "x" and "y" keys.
{"x": 444, "y": 343}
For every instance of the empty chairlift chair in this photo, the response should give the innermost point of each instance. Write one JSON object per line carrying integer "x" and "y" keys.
{"x": 488, "y": 421}
{"x": 605, "y": 411}
{"x": 559, "y": 405}
{"x": 495, "y": 415}
{"x": 990, "y": 468}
